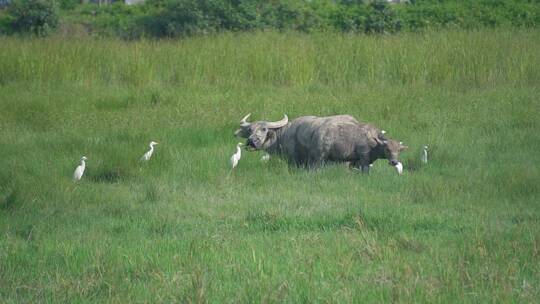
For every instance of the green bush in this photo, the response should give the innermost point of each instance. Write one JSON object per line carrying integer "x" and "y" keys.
{"x": 68, "y": 4}
{"x": 381, "y": 19}
{"x": 38, "y": 17}
{"x": 469, "y": 14}
{"x": 5, "y": 23}
{"x": 292, "y": 15}
{"x": 180, "y": 18}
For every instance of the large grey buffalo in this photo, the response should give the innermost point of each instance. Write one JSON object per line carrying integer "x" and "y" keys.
{"x": 311, "y": 141}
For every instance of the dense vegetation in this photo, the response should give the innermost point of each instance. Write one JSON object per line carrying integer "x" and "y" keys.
{"x": 178, "y": 18}
{"x": 465, "y": 228}
{"x": 39, "y": 17}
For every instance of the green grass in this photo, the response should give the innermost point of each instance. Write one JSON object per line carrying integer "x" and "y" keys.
{"x": 465, "y": 228}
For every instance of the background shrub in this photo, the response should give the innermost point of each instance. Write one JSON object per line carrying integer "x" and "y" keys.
{"x": 381, "y": 19}
{"x": 5, "y": 23}
{"x": 38, "y": 17}
{"x": 181, "y": 18}
{"x": 68, "y": 4}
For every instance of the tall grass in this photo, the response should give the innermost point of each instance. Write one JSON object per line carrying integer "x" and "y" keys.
{"x": 183, "y": 228}
{"x": 439, "y": 58}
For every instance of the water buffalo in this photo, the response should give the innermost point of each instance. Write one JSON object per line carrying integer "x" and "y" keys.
{"x": 311, "y": 141}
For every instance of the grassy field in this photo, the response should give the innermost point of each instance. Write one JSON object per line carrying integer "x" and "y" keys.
{"x": 464, "y": 228}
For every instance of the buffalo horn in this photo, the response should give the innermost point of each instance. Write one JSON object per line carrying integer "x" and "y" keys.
{"x": 278, "y": 124}
{"x": 243, "y": 122}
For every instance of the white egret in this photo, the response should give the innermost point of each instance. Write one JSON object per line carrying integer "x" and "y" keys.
{"x": 265, "y": 157}
{"x": 235, "y": 158}
{"x": 149, "y": 153}
{"x": 79, "y": 171}
{"x": 399, "y": 168}
{"x": 423, "y": 157}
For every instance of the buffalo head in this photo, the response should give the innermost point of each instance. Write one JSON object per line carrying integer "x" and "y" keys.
{"x": 260, "y": 134}
{"x": 391, "y": 149}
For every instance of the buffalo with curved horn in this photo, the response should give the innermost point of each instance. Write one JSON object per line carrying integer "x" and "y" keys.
{"x": 311, "y": 141}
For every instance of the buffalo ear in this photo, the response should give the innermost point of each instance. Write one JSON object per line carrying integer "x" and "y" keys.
{"x": 402, "y": 147}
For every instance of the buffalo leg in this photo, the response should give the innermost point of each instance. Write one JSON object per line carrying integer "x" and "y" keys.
{"x": 356, "y": 165}
{"x": 364, "y": 163}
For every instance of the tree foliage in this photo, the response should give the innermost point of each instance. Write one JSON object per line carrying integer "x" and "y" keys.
{"x": 38, "y": 17}
{"x": 180, "y": 18}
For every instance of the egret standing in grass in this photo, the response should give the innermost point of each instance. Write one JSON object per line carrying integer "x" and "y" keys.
{"x": 235, "y": 158}
{"x": 149, "y": 153}
{"x": 423, "y": 157}
{"x": 79, "y": 171}
{"x": 399, "y": 168}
